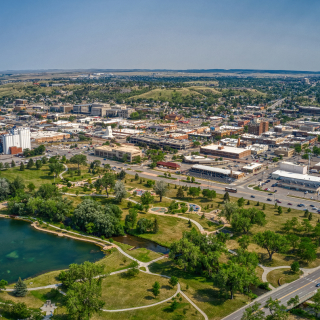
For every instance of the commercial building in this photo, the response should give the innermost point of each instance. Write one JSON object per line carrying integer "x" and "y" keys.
{"x": 284, "y": 151}
{"x": 226, "y": 131}
{"x": 214, "y": 173}
{"x": 103, "y": 110}
{"x": 18, "y": 138}
{"x": 309, "y": 110}
{"x": 118, "y": 152}
{"x": 258, "y": 128}
{"x": 296, "y": 181}
{"x": 156, "y": 142}
{"x": 48, "y": 136}
{"x": 197, "y": 160}
{"x": 295, "y": 168}
{"x": 226, "y": 152}
{"x": 252, "y": 167}
{"x": 168, "y": 165}
{"x": 62, "y": 109}
{"x": 173, "y": 117}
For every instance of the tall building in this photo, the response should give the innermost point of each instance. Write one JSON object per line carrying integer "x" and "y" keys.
{"x": 16, "y": 141}
{"x": 258, "y": 128}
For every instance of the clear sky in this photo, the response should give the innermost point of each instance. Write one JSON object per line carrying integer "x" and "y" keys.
{"x": 160, "y": 34}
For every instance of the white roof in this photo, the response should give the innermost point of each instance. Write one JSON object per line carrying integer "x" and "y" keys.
{"x": 252, "y": 166}
{"x": 214, "y": 169}
{"x": 225, "y": 149}
{"x": 296, "y": 176}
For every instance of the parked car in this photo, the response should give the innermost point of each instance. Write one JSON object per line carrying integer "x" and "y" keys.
{"x": 311, "y": 205}
{"x": 269, "y": 199}
{"x": 252, "y": 196}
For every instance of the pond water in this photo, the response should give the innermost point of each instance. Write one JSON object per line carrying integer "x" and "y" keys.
{"x": 141, "y": 243}
{"x": 26, "y": 252}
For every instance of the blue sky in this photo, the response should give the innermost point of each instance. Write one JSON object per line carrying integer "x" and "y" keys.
{"x": 160, "y": 34}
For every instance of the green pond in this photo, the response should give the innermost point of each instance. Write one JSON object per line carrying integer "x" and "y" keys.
{"x": 26, "y": 252}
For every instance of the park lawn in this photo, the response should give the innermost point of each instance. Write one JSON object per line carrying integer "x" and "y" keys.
{"x": 284, "y": 274}
{"x": 37, "y": 177}
{"x": 141, "y": 254}
{"x": 84, "y": 173}
{"x": 33, "y": 299}
{"x": 133, "y": 292}
{"x": 158, "y": 312}
{"x": 203, "y": 222}
{"x": 201, "y": 291}
{"x": 170, "y": 229}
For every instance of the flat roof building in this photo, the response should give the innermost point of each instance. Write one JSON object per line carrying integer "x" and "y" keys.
{"x": 118, "y": 152}
{"x": 296, "y": 181}
{"x": 252, "y": 167}
{"x": 225, "y": 151}
{"x": 214, "y": 173}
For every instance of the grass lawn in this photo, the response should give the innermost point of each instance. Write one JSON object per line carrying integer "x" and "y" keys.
{"x": 284, "y": 274}
{"x": 141, "y": 254}
{"x": 201, "y": 291}
{"x": 133, "y": 292}
{"x": 159, "y": 312}
{"x": 170, "y": 229}
{"x": 37, "y": 177}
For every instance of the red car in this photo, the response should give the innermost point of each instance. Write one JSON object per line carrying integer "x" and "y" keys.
{"x": 289, "y": 204}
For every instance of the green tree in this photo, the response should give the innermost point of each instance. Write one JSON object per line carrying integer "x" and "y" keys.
{"x": 31, "y": 187}
{"x": 20, "y": 289}
{"x": 226, "y": 197}
{"x": 13, "y": 164}
{"x": 122, "y": 175}
{"x": 48, "y": 191}
{"x": 155, "y": 225}
{"x": 193, "y": 192}
{"x": 240, "y": 202}
{"x": 316, "y": 300}
{"x": 279, "y": 210}
{"x": 3, "y": 284}
{"x": 173, "y": 281}
{"x": 180, "y": 193}
{"x": 160, "y": 188}
{"x": 295, "y": 267}
{"x": 244, "y": 242}
{"x": 272, "y": 242}
{"x": 277, "y": 311}
{"x": 144, "y": 225}
{"x": 253, "y": 312}
{"x": 38, "y": 164}
{"x": 131, "y": 218}
{"x": 108, "y": 181}
{"x": 156, "y": 289}
{"x": 119, "y": 191}
{"x": 30, "y": 164}
{"x": 79, "y": 159}
{"x": 293, "y": 301}
{"x": 147, "y": 198}
{"x": 22, "y": 166}
{"x": 307, "y": 250}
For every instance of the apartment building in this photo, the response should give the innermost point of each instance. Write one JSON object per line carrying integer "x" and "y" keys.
{"x": 258, "y": 128}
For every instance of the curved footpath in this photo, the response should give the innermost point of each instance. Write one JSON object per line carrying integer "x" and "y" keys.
{"x": 110, "y": 245}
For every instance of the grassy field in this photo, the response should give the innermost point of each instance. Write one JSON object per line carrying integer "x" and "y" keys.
{"x": 284, "y": 274}
{"x": 133, "y": 292}
{"x": 37, "y": 177}
{"x": 166, "y": 94}
{"x": 201, "y": 291}
{"x": 159, "y": 312}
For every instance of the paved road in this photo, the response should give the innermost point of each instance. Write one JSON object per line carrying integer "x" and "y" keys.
{"x": 300, "y": 287}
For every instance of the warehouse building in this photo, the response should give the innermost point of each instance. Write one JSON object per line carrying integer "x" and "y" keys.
{"x": 296, "y": 181}
{"x": 48, "y": 136}
{"x": 225, "y": 152}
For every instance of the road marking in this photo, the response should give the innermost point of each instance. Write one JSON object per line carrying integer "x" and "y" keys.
{"x": 297, "y": 289}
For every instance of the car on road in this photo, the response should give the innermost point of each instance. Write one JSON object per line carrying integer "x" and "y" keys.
{"x": 311, "y": 205}
{"x": 252, "y": 196}
{"x": 289, "y": 204}
{"x": 301, "y": 205}
{"x": 270, "y": 194}
{"x": 104, "y": 159}
{"x": 269, "y": 199}
{"x": 318, "y": 285}
{"x": 314, "y": 208}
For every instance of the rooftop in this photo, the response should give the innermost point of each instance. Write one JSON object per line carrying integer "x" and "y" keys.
{"x": 297, "y": 176}
{"x": 224, "y": 148}
{"x": 215, "y": 169}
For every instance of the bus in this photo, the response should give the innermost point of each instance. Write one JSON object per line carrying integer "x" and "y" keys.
{"x": 231, "y": 190}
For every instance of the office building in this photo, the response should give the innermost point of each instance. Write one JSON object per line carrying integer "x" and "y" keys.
{"x": 118, "y": 152}
{"x": 225, "y": 151}
{"x": 258, "y": 128}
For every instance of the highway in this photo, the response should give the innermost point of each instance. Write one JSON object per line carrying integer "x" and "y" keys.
{"x": 301, "y": 287}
